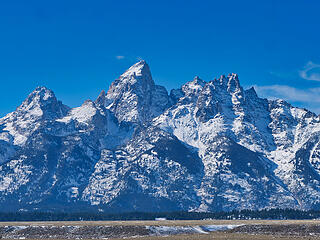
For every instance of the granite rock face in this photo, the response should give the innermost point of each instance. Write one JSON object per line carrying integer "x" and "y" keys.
{"x": 207, "y": 146}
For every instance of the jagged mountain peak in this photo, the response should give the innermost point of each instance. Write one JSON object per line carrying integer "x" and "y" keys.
{"x": 191, "y": 90}
{"x": 101, "y": 99}
{"x": 197, "y": 81}
{"x": 138, "y": 68}
{"x": 188, "y": 90}
{"x": 136, "y": 79}
{"x": 233, "y": 82}
{"x": 194, "y": 87}
{"x": 138, "y": 72}
{"x": 233, "y": 76}
{"x": 41, "y": 95}
{"x": 39, "y": 107}
{"x": 202, "y": 149}
{"x": 42, "y": 102}
{"x": 196, "y": 84}
{"x": 134, "y": 97}
{"x": 222, "y": 80}
{"x": 251, "y": 93}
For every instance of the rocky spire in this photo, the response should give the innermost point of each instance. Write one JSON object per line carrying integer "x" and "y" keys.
{"x": 194, "y": 86}
{"x": 42, "y": 102}
{"x": 251, "y": 93}
{"x": 101, "y": 100}
{"x": 188, "y": 91}
{"x": 233, "y": 82}
{"x": 134, "y": 97}
{"x": 137, "y": 78}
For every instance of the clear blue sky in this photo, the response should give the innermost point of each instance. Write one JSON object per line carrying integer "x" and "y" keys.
{"x": 74, "y": 47}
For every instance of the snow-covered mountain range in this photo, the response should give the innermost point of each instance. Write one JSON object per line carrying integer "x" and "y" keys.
{"x": 207, "y": 146}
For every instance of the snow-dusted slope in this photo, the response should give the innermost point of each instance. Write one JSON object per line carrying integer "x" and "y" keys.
{"x": 134, "y": 97}
{"x": 208, "y": 146}
{"x": 274, "y": 130}
{"x": 40, "y": 106}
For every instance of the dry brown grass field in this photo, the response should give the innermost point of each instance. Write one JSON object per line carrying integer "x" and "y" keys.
{"x": 224, "y": 236}
{"x": 279, "y": 226}
{"x": 163, "y": 223}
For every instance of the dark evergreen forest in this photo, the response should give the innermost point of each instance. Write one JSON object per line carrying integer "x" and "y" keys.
{"x": 90, "y": 216}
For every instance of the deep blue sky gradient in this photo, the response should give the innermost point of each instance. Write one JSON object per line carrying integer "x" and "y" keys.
{"x": 71, "y": 46}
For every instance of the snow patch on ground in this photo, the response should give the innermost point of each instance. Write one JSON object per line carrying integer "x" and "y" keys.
{"x": 174, "y": 230}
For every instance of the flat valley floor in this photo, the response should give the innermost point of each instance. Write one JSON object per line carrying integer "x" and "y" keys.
{"x": 164, "y": 230}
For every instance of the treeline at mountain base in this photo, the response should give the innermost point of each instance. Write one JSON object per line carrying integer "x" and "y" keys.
{"x": 278, "y": 214}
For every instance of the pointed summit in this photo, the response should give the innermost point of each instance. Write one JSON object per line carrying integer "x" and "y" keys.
{"x": 137, "y": 76}
{"x": 251, "y": 93}
{"x": 42, "y": 102}
{"x": 193, "y": 87}
{"x": 40, "y": 96}
{"x": 39, "y": 107}
{"x": 188, "y": 91}
{"x": 222, "y": 80}
{"x": 132, "y": 97}
{"x": 233, "y": 82}
{"x": 230, "y": 83}
{"x": 137, "y": 69}
{"x": 137, "y": 72}
{"x": 198, "y": 81}
{"x": 101, "y": 100}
